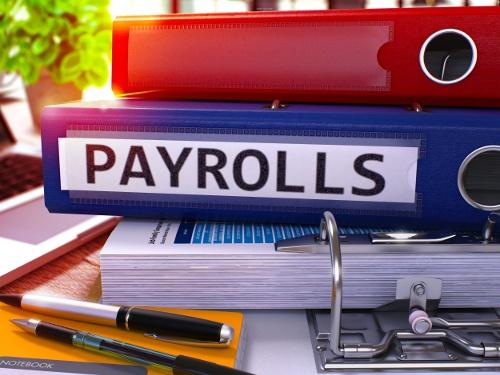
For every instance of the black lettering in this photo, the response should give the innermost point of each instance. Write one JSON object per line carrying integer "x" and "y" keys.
{"x": 145, "y": 172}
{"x": 203, "y": 168}
{"x": 92, "y": 167}
{"x": 374, "y": 176}
{"x": 282, "y": 186}
{"x": 174, "y": 168}
{"x": 321, "y": 175}
{"x": 263, "y": 167}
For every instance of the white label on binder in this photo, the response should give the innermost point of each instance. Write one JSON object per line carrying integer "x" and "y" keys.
{"x": 240, "y": 169}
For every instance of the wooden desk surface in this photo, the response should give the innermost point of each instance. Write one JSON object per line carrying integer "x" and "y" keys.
{"x": 73, "y": 275}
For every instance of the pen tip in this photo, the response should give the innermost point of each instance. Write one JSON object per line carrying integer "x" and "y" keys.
{"x": 26, "y": 324}
{"x": 11, "y": 299}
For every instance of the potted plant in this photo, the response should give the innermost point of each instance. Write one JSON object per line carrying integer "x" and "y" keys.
{"x": 58, "y": 47}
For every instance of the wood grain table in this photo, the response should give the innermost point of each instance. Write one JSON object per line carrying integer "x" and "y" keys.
{"x": 73, "y": 275}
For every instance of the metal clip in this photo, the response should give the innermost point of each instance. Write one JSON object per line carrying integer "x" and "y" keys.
{"x": 183, "y": 341}
{"x": 411, "y": 237}
{"x": 489, "y": 226}
{"x": 416, "y": 107}
{"x": 418, "y": 318}
{"x": 276, "y": 104}
{"x": 306, "y": 244}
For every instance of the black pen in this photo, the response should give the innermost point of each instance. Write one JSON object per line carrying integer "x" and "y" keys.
{"x": 178, "y": 365}
{"x": 156, "y": 324}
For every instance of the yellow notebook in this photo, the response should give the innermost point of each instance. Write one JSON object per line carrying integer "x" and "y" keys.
{"x": 14, "y": 342}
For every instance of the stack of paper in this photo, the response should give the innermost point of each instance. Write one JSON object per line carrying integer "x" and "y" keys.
{"x": 235, "y": 266}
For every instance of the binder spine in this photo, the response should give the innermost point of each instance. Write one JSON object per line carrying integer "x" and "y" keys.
{"x": 386, "y": 167}
{"x": 433, "y": 56}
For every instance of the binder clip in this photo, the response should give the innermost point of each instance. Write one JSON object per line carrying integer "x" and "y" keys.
{"x": 410, "y": 333}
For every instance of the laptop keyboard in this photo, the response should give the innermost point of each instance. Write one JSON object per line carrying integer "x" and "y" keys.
{"x": 18, "y": 174}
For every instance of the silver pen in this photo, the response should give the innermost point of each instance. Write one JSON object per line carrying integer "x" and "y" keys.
{"x": 177, "y": 328}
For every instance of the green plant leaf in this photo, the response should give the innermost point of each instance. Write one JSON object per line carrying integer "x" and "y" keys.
{"x": 75, "y": 33}
{"x": 102, "y": 41}
{"x": 63, "y": 6}
{"x": 29, "y": 73}
{"x": 32, "y": 75}
{"x": 35, "y": 24}
{"x": 70, "y": 66}
{"x": 99, "y": 73}
{"x": 50, "y": 55}
{"x": 70, "y": 38}
{"x": 85, "y": 42}
{"x": 40, "y": 45}
{"x": 6, "y": 6}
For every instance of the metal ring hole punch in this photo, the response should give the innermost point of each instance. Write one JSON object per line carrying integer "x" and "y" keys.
{"x": 409, "y": 333}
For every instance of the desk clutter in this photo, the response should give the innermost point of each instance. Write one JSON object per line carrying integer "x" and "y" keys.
{"x": 234, "y": 158}
{"x": 92, "y": 327}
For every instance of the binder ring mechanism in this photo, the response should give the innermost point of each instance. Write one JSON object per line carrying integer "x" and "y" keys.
{"x": 423, "y": 342}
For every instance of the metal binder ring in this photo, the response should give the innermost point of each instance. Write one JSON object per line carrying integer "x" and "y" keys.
{"x": 329, "y": 232}
{"x": 465, "y": 167}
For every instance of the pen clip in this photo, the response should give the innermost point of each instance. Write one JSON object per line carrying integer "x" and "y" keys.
{"x": 190, "y": 342}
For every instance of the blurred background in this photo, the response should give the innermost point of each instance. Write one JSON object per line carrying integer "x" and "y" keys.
{"x": 203, "y": 6}
{"x": 53, "y": 51}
